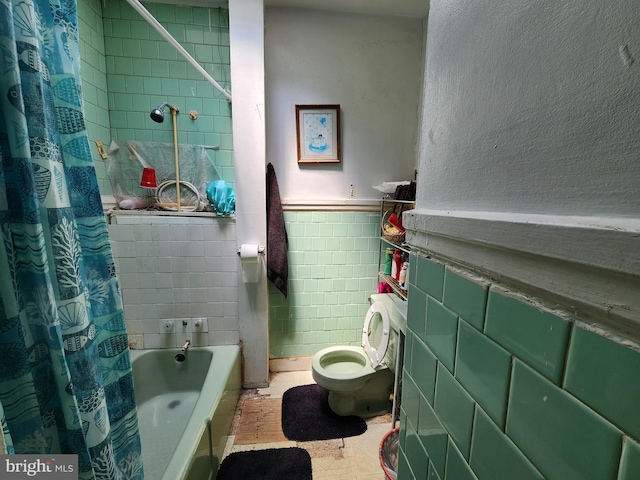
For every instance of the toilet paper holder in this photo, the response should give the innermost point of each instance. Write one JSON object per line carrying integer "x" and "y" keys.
{"x": 260, "y": 249}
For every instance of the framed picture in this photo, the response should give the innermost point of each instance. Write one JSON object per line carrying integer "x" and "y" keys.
{"x": 318, "y": 133}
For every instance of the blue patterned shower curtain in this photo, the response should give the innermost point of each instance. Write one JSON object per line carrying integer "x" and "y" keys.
{"x": 65, "y": 374}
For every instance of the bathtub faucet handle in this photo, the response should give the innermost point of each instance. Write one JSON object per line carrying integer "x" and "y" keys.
{"x": 186, "y": 345}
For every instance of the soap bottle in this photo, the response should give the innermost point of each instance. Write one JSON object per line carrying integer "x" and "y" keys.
{"x": 403, "y": 275}
{"x": 388, "y": 260}
{"x": 397, "y": 265}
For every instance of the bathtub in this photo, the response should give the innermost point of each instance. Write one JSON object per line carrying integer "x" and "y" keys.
{"x": 185, "y": 410}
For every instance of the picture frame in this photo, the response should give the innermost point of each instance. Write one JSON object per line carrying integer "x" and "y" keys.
{"x": 318, "y": 133}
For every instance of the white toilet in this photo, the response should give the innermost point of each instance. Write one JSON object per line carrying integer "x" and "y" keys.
{"x": 360, "y": 379}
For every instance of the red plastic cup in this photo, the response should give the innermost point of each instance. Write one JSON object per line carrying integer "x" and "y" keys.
{"x": 148, "y": 178}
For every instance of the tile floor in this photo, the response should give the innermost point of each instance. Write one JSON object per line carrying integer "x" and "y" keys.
{"x": 257, "y": 426}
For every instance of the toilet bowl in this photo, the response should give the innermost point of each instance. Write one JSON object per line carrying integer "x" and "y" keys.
{"x": 360, "y": 379}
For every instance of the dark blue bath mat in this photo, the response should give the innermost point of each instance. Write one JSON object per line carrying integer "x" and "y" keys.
{"x": 306, "y": 416}
{"x": 270, "y": 464}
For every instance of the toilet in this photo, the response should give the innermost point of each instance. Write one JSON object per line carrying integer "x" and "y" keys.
{"x": 360, "y": 379}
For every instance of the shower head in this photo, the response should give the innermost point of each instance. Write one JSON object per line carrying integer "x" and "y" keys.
{"x": 157, "y": 114}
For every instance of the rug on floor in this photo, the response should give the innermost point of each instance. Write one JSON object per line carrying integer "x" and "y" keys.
{"x": 306, "y": 416}
{"x": 270, "y": 464}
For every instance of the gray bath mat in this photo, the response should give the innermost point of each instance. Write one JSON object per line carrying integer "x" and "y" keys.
{"x": 270, "y": 464}
{"x": 306, "y": 416}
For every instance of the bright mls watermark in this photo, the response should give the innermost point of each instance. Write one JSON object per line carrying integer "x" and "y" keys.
{"x": 51, "y": 467}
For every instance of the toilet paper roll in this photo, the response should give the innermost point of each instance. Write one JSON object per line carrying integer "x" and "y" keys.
{"x": 249, "y": 253}
{"x": 250, "y": 260}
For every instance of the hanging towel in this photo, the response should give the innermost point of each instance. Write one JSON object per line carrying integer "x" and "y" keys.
{"x": 277, "y": 264}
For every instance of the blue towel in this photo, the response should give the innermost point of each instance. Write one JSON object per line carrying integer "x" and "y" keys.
{"x": 222, "y": 197}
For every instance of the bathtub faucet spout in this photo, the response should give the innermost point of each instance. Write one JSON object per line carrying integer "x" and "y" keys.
{"x": 180, "y": 356}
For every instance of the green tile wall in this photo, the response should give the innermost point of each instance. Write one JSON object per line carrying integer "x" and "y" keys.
{"x": 410, "y": 398}
{"x": 403, "y": 467}
{"x": 605, "y": 377}
{"x": 484, "y": 368}
{"x": 417, "y": 311}
{"x": 128, "y": 69}
{"x": 494, "y": 455}
{"x": 465, "y": 297}
{"x": 441, "y": 331}
{"x": 530, "y": 394}
{"x": 630, "y": 465}
{"x": 429, "y": 276}
{"x": 415, "y": 450}
{"x": 333, "y": 266}
{"x": 537, "y": 336}
{"x": 433, "y": 474}
{"x": 423, "y": 367}
{"x": 433, "y": 436}
{"x": 457, "y": 468}
{"x": 455, "y": 408}
{"x": 540, "y": 410}
{"x": 94, "y": 83}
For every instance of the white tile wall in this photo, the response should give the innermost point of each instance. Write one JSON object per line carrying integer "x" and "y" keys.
{"x": 175, "y": 268}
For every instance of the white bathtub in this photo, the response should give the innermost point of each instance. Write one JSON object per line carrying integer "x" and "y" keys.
{"x": 185, "y": 410}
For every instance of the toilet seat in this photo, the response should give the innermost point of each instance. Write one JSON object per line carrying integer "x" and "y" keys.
{"x": 375, "y": 333}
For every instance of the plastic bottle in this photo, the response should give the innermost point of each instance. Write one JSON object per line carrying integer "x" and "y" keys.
{"x": 387, "y": 261}
{"x": 403, "y": 275}
{"x": 397, "y": 265}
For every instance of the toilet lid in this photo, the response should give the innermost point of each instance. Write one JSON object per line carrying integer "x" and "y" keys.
{"x": 375, "y": 333}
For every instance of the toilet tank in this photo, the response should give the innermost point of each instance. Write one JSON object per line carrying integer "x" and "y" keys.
{"x": 397, "y": 309}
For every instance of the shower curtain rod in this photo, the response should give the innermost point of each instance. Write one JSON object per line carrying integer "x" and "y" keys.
{"x": 162, "y": 31}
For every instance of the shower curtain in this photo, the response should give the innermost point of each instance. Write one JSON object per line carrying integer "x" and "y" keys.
{"x": 65, "y": 374}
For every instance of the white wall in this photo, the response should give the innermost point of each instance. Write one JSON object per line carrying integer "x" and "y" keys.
{"x": 246, "y": 31}
{"x": 532, "y": 107}
{"x": 530, "y": 135}
{"x": 371, "y": 66}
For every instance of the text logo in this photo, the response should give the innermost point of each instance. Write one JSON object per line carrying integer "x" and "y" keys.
{"x": 50, "y": 467}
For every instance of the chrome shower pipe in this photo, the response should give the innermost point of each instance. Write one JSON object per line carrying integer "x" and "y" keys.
{"x": 169, "y": 38}
{"x": 157, "y": 115}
